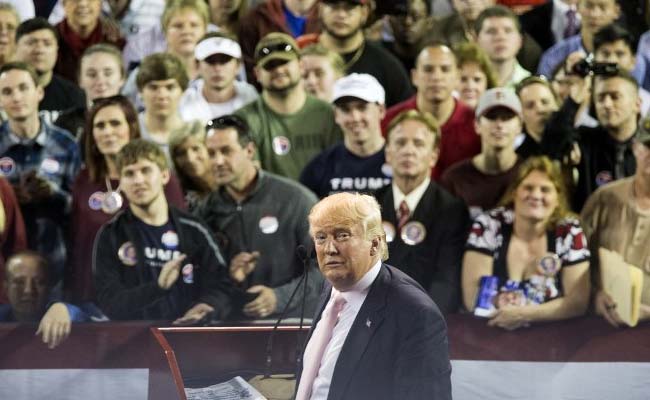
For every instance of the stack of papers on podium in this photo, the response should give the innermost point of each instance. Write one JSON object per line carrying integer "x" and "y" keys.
{"x": 234, "y": 389}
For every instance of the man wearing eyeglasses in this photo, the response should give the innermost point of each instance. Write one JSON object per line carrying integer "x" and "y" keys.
{"x": 343, "y": 22}
{"x": 288, "y": 126}
{"x": 255, "y": 226}
{"x": 217, "y": 92}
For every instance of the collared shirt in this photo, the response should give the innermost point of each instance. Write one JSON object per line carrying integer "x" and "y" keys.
{"x": 54, "y": 155}
{"x": 519, "y": 73}
{"x": 559, "y": 20}
{"x": 354, "y": 300}
{"x": 558, "y": 53}
{"x": 412, "y": 199}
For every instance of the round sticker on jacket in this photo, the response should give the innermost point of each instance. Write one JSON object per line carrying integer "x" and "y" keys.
{"x": 603, "y": 177}
{"x": 50, "y": 166}
{"x": 188, "y": 273}
{"x": 96, "y": 200}
{"x": 7, "y": 166}
{"x": 387, "y": 170}
{"x": 169, "y": 239}
{"x": 389, "y": 230}
{"x": 127, "y": 254}
{"x": 269, "y": 224}
{"x": 413, "y": 233}
{"x": 281, "y": 145}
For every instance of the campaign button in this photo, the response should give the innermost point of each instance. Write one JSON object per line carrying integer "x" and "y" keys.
{"x": 413, "y": 233}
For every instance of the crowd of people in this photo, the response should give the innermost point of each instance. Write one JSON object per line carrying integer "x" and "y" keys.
{"x": 159, "y": 159}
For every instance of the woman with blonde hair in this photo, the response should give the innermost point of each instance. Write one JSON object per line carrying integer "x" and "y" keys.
{"x": 531, "y": 250}
{"x": 190, "y": 158}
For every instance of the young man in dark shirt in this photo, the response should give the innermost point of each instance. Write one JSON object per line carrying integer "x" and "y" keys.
{"x": 153, "y": 261}
{"x": 358, "y": 163}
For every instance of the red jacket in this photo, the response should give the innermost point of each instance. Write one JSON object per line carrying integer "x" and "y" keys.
{"x": 13, "y": 238}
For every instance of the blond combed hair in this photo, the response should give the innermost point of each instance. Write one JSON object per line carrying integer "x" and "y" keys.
{"x": 350, "y": 209}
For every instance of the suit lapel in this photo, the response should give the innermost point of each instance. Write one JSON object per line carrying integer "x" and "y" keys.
{"x": 365, "y": 325}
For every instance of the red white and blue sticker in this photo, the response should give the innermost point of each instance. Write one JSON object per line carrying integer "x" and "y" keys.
{"x": 7, "y": 166}
{"x": 269, "y": 224}
{"x": 604, "y": 177}
{"x": 127, "y": 254}
{"x": 413, "y": 233}
{"x": 188, "y": 273}
{"x": 169, "y": 239}
{"x": 281, "y": 145}
{"x": 50, "y": 166}
{"x": 96, "y": 200}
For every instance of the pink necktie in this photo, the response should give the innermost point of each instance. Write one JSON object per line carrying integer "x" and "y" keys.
{"x": 317, "y": 343}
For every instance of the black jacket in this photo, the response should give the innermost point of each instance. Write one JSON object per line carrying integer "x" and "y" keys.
{"x": 603, "y": 159}
{"x": 435, "y": 262}
{"x": 132, "y": 292}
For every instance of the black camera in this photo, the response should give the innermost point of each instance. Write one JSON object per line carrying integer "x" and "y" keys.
{"x": 587, "y": 66}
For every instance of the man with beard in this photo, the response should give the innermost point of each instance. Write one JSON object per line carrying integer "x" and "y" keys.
{"x": 288, "y": 126}
{"x": 217, "y": 92}
{"x": 254, "y": 226}
{"x": 436, "y": 77}
{"x": 293, "y": 17}
{"x": 343, "y": 22}
{"x": 37, "y": 45}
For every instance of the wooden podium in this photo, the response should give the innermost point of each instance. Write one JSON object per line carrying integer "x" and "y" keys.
{"x": 200, "y": 357}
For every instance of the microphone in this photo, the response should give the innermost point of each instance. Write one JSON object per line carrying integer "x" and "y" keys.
{"x": 303, "y": 255}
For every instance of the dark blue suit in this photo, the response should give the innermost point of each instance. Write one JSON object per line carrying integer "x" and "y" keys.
{"x": 397, "y": 346}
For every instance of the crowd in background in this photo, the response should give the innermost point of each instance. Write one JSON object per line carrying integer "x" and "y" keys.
{"x": 159, "y": 158}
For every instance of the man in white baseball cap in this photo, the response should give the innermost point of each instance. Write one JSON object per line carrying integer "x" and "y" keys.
{"x": 482, "y": 180}
{"x": 358, "y": 163}
{"x": 217, "y": 93}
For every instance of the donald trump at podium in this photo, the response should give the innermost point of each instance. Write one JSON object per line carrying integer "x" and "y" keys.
{"x": 377, "y": 334}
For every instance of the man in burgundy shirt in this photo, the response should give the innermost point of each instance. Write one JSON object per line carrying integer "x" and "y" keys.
{"x": 81, "y": 28}
{"x": 436, "y": 76}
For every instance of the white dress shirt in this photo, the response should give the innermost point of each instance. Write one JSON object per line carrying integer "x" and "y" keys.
{"x": 354, "y": 300}
{"x": 412, "y": 199}
{"x": 559, "y": 21}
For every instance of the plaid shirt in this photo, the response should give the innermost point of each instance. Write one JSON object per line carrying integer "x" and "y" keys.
{"x": 55, "y": 155}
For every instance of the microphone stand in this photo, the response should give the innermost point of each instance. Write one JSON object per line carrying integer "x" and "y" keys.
{"x": 301, "y": 252}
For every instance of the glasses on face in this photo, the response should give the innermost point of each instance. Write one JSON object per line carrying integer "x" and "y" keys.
{"x": 279, "y": 47}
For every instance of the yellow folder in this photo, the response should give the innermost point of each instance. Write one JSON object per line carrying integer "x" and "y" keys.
{"x": 623, "y": 282}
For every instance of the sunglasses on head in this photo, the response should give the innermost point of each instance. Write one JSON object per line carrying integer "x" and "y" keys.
{"x": 227, "y": 121}
{"x": 281, "y": 47}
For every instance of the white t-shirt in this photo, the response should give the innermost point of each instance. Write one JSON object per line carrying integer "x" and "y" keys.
{"x": 194, "y": 106}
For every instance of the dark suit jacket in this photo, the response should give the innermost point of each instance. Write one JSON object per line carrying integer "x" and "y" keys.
{"x": 537, "y": 23}
{"x": 397, "y": 347}
{"x": 435, "y": 262}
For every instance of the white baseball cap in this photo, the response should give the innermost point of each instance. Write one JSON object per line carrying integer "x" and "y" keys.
{"x": 217, "y": 45}
{"x": 498, "y": 97}
{"x": 362, "y": 86}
